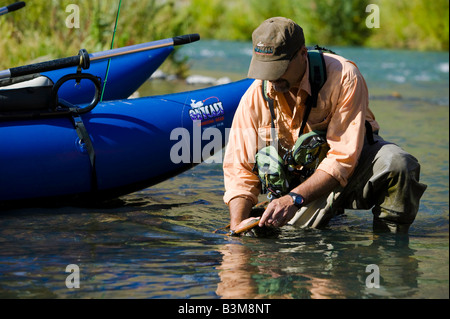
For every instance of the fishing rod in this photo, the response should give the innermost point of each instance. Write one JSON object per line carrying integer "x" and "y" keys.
{"x": 83, "y": 59}
{"x": 112, "y": 46}
{"x": 12, "y": 7}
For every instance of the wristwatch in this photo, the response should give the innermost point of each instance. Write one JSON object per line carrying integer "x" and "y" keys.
{"x": 298, "y": 199}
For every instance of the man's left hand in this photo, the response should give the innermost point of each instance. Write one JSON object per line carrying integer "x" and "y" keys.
{"x": 279, "y": 212}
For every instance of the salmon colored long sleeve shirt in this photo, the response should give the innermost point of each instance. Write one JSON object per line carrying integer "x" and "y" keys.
{"x": 342, "y": 109}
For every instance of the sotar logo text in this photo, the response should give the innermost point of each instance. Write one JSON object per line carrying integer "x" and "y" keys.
{"x": 262, "y": 49}
{"x": 200, "y": 111}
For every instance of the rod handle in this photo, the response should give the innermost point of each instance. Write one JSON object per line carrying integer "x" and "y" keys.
{"x": 185, "y": 39}
{"x": 81, "y": 60}
{"x": 15, "y": 6}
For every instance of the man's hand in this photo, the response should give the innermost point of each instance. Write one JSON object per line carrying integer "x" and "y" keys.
{"x": 279, "y": 212}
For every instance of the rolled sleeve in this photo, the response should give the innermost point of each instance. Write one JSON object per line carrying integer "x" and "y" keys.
{"x": 245, "y": 186}
{"x": 239, "y": 178}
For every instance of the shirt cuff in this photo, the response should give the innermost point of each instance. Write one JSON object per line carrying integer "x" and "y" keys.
{"x": 232, "y": 194}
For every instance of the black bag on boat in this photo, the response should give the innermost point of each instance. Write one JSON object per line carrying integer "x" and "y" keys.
{"x": 27, "y": 93}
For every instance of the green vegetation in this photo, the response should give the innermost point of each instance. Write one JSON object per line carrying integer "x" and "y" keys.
{"x": 412, "y": 24}
{"x": 406, "y": 24}
{"x": 39, "y": 30}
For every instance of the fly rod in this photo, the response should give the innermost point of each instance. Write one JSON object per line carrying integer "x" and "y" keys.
{"x": 83, "y": 59}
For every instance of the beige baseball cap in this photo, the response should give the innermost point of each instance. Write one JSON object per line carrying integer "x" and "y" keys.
{"x": 275, "y": 42}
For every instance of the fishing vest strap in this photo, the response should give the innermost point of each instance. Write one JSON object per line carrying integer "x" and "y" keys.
{"x": 317, "y": 78}
{"x": 305, "y": 118}
{"x": 86, "y": 142}
{"x": 269, "y": 102}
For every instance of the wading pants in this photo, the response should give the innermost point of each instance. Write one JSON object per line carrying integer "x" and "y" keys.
{"x": 386, "y": 180}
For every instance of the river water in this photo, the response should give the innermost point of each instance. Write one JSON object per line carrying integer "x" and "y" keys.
{"x": 159, "y": 242}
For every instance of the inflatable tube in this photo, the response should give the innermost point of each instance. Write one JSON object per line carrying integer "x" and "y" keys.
{"x": 137, "y": 143}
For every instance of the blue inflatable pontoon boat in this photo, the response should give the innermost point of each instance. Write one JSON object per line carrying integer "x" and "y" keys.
{"x": 115, "y": 148}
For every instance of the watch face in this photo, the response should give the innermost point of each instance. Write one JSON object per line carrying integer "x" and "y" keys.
{"x": 298, "y": 200}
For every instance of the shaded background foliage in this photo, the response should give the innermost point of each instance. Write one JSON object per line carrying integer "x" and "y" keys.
{"x": 39, "y": 30}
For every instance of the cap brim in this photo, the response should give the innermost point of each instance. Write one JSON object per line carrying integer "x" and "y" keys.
{"x": 267, "y": 70}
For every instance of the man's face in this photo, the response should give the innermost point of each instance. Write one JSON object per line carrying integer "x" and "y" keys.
{"x": 281, "y": 85}
{"x": 294, "y": 73}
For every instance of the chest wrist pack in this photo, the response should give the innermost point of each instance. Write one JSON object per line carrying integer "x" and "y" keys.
{"x": 279, "y": 174}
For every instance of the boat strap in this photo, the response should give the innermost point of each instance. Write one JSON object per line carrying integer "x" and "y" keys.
{"x": 86, "y": 143}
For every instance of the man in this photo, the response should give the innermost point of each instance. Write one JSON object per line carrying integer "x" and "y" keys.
{"x": 355, "y": 174}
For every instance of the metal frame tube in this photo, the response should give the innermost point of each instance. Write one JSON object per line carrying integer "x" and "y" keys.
{"x": 130, "y": 49}
{"x": 5, "y": 74}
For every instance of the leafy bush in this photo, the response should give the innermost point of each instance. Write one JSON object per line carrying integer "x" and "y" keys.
{"x": 39, "y": 30}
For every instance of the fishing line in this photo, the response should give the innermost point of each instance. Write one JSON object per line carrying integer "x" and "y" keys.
{"x": 112, "y": 45}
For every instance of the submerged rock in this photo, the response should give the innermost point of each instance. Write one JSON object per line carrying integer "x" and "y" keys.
{"x": 206, "y": 80}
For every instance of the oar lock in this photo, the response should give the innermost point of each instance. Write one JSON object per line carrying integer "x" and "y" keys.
{"x": 84, "y": 63}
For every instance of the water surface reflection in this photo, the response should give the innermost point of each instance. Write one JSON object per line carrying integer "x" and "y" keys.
{"x": 318, "y": 265}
